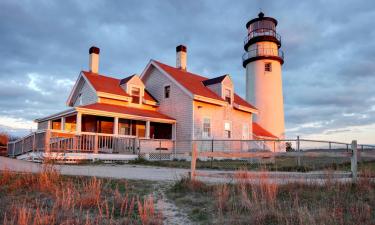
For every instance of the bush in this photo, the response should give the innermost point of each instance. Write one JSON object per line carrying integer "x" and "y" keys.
{"x": 4, "y": 139}
{"x": 288, "y": 147}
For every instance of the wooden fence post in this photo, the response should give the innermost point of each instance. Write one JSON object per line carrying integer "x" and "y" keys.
{"x": 354, "y": 165}
{"x": 47, "y": 141}
{"x": 193, "y": 161}
{"x": 298, "y": 150}
{"x": 34, "y": 143}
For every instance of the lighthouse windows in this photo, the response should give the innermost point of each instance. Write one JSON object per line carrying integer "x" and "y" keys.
{"x": 268, "y": 67}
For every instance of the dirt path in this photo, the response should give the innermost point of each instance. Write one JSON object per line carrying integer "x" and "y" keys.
{"x": 140, "y": 172}
{"x": 172, "y": 215}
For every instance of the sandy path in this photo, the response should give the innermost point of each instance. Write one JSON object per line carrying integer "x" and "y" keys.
{"x": 167, "y": 174}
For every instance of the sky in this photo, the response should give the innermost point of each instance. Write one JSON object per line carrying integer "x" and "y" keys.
{"x": 328, "y": 74}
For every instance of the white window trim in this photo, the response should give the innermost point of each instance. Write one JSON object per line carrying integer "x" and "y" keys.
{"x": 231, "y": 89}
{"x": 80, "y": 101}
{"x": 170, "y": 90}
{"x": 141, "y": 92}
{"x": 209, "y": 136}
{"x": 230, "y": 129}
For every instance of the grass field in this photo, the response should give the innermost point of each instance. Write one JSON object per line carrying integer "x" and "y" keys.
{"x": 268, "y": 203}
{"x": 280, "y": 164}
{"x": 49, "y": 198}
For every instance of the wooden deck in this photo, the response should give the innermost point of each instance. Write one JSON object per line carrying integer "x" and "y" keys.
{"x": 52, "y": 141}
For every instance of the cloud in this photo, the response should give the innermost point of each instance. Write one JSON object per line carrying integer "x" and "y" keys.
{"x": 329, "y": 53}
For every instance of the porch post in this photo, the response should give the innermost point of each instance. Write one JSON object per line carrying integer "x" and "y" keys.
{"x": 174, "y": 126}
{"x": 62, "y": 123}
{"x": 115, "y": 126}
{"x": 79, "y": 122}
{"x": 148, "y": 129}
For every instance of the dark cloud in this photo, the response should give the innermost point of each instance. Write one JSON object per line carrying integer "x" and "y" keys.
{"x": 328, "y": 73}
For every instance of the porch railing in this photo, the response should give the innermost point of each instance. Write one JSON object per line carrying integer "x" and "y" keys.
{"x": 84, "y": 142}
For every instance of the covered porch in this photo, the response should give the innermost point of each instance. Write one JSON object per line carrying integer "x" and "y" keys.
{"x": 103, "y": 129}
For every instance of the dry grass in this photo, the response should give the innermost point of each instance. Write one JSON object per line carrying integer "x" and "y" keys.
{"x": 49, "y": 198}
{"x": 259, "y": 200}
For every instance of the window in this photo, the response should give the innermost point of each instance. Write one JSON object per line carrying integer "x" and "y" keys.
{"x": 124, "y": 127}
{"x": 228, "y": 96}
{"x": 136, "y": 92}
{"x": 206, "y": 128}
{"x": 167, "y": 90}
{"x": 227, "y": 130}
{"x": 268, "y": 67}
{"x": 56, "y": 124}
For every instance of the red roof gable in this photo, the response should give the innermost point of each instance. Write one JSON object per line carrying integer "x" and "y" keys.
{"x": 126, "y": 110}
{"x": 105, "y": 84}
{"x": 195, "y": 84}
{"x": 261, "y": 132}
{"x": 110, "y": 85}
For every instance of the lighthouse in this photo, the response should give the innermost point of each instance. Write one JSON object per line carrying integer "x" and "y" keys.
{"x": 263, "y": 60}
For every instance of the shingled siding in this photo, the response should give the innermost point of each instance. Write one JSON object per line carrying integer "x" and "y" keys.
{"x": 43, "y": 125}
{"x": 88, "y": 95}
{"x": 218, "y": 116}
{"x": 178, "y": 106}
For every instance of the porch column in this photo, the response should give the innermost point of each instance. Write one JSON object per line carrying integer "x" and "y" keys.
{"x": 147, "y": 129}
{"x": 174, "y": 125}
{"x": 62, "y": 123}
{"x": 115, "y": 126}
{"x": 79, "y": 122}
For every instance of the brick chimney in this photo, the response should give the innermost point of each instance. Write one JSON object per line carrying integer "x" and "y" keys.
{"x": 181, "y": 57}
{"x": 94, "y": 59}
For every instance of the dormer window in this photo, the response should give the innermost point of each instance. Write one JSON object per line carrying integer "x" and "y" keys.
{"x": 135, "y": 93}
{"x": 228, "y": 96}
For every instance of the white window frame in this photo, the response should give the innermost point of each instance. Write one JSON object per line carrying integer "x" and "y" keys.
{"x": 230, "y": 95}
{"x": 140, "y": 93}
{"x": 170, "y": 88}
{"x": 80, "y": 102}
{"x": 210, "y": 124}
{"x": 230, "y": 129}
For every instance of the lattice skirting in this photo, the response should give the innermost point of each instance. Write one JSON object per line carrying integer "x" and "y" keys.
{"x": 156, "y": 156}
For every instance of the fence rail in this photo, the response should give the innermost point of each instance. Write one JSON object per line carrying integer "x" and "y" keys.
{"x": 353, "y": 153}
{"x": 281, "y": 145}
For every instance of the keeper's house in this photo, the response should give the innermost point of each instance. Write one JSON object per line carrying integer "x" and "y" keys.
{"x": 160, "y": 111}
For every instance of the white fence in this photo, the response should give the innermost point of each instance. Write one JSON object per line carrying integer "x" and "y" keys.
{"x": 67, "y": 142}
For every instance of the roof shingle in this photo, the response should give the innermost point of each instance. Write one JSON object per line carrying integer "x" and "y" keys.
{"x": 261, "y": 132}
{"x": 195, "y": 84}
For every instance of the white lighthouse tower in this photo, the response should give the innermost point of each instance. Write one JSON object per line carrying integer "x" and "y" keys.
{"x": 263, "y": 60}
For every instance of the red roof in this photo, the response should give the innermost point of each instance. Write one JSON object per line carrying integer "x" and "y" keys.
{"x": 261, "y": 132}
{"x": 110, "y": 85}
{"x": 195, "y": 84}
{"x": 126, "y": 110}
